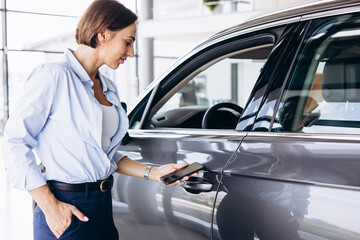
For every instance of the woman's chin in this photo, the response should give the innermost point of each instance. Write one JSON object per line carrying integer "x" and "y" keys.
{"x": 113, "y": 66}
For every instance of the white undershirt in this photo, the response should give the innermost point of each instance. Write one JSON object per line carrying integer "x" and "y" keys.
{"x": 110, "y": 125}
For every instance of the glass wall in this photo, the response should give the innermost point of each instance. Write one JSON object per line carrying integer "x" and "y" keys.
{"x": 164, "y": 9}
{"x": 36, "y": 32}
{"x": 3, "y": 78}
{"x": 33, "y": 32}
{"x": 39, "y": 31}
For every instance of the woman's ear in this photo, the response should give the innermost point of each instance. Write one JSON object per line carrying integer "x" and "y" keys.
{"x": 101, "y": 37}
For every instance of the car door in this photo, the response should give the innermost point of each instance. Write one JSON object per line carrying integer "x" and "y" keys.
{"x": 296, "y": 174}
{"x": 167, "y": 127}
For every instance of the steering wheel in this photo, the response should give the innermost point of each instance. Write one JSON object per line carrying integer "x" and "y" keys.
{"x": 211, "y": 121}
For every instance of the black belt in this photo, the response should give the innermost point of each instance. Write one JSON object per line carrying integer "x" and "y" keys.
{"x": 101, "y": 185}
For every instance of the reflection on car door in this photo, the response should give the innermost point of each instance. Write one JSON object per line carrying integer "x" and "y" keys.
{"x": 165, "y": 212}
{"x": 293, "y": 187}
{"x": 144, "y": 209}
{"x": 250, "y": 204}
{"x": 298, "y": 178}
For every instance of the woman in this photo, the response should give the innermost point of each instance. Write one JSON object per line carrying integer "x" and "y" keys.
{"x": 71, "y": 116}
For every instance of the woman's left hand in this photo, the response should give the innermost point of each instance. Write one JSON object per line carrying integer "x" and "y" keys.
{"x": 167, "y": 169}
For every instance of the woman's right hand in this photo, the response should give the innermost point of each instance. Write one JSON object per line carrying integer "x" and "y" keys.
{"x": 58, "y": 214}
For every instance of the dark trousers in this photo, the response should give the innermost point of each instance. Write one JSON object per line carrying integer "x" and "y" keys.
{"x": 96, "y": 205}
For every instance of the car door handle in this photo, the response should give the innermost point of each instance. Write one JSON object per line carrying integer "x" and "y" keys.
{"x": 197, "y": 185}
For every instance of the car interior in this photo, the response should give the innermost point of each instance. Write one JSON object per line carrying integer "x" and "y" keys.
{"x": 194, "y": 108}
{"x": 333, "y": 84}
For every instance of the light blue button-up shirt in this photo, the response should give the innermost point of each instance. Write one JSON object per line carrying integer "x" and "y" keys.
{"x": 60, "y": 120}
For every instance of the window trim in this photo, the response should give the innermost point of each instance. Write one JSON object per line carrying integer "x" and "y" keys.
{"x": 194, "y": 64}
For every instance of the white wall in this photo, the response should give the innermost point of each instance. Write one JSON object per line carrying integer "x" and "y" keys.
{"x": 268, "y": 4}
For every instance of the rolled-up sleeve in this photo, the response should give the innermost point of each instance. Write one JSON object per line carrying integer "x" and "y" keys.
{"x": 118, "y": 156}
{"x": 24, "y": 125}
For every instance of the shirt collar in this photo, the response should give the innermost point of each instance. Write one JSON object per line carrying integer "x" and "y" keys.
{"x": 76, "y": 66}
{"x": 105, "y": 83}
{"x": 81, "y": 72}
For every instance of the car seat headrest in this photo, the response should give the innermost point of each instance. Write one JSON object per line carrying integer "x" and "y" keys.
{"x": 341, "y": 81}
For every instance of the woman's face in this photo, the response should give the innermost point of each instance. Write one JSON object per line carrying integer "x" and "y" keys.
{"x": 116, "y": 46}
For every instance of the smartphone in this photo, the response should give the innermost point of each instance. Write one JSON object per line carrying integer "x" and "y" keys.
{"x": 179, "y": 174}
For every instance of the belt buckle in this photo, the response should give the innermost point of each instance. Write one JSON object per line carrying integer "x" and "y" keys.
{"x": 102, "y": 185}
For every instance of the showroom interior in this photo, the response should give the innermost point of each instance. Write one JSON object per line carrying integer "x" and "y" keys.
{"x": 38, "y": 31}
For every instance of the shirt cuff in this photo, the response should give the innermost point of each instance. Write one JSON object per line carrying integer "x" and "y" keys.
{"x": 118, "y": 156}
{"x": 32, "y": 180}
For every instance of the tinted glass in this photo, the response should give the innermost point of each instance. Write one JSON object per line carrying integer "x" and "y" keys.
{"x": 227, "y": 80}
{"x": 323, "y": 95}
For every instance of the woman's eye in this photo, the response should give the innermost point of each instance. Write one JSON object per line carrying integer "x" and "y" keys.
{"x": 128, "y": 43}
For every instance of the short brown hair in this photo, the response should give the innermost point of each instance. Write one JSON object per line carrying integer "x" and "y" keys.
{"x": 102, "y": 15}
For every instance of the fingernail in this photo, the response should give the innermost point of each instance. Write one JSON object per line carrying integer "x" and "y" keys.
{"x": 86, "y": 218}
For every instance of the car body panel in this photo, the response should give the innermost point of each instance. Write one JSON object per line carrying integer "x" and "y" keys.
{"x": 301, "y": 187}
{"x": 172, "y": 209}
{"x": 263, "y": 184}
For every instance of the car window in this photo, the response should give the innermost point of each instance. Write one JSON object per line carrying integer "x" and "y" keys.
{"x": 226, "y": 80}
{"x": 323, "y": 94}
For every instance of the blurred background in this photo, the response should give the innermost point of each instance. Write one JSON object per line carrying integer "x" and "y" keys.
{"x": 38, "y": 31}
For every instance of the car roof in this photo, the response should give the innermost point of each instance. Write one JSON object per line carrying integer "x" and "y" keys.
{"x": 288, "y": 12}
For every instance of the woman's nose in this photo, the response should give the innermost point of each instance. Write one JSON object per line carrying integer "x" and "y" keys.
{"x": 131, "y": 51}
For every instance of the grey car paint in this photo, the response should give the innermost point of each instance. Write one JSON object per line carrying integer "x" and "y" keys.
{"x": 178, "y": 213}
{"x": 296, "y": 186}
{"x": 264, "y": 185}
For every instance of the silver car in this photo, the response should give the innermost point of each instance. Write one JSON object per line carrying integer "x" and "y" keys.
{"x": 271, "y": 108}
